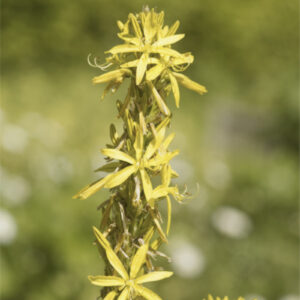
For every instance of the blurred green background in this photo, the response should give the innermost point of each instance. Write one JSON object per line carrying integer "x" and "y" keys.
{"x": 239, "y": 235}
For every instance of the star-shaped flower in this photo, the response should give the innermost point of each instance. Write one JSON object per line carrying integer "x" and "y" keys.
{"x": 129, "y": 284}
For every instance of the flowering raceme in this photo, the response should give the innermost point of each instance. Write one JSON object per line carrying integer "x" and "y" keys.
{"x": 131, "y": 230}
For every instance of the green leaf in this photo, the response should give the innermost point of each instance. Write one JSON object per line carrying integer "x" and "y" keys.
{"x": 153, "y": 276}
{"x": 110, "y": 167}
{"x": 106, "y": 280}
{"x": 138, "y": 260}
{"x": 119, "y": 155}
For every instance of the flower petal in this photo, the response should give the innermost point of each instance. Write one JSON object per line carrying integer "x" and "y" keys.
{"x": 168, "y": 40}
{"x": 175, "y": 88}
{"x": 154, "y": 72}
{"x": 124, "y": 48}
{"x": 160, "y": 102}
{"x": 146, "y": 293}
{"x": 111, "y": 255}
{"x": 138, "y": 260}
{"x": 165, "y": 51}
{"x": 120, "y": 155}
{"x": 174, "y": 28}
{"x": 111, "y": 295}
{"x": 141, "y": 68}
{"x": 153, "y": 276}
{"x": 106, "y": 280}
{"x": 110, "y": 76}
{"x": 124, "y": 295}
{"x": 169, "y": 205}
{"x": 119, "y": 177}
{"x": 190, "y": 84}
{"x": 147, "y": 185}
{"x": 91, "y": 188}
{"x": 135, "y": 25}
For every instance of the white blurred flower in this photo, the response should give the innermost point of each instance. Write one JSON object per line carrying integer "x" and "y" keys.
{"x": 188, "y": 260}
{"x": 14, "y": 189}
{"x": 217, "y": 174}
{"x": 14, "y": 138}
{"x": 8, "y": 228}
{"x": 183, "y": 168}
{"x": 49, "y": 132}
{"x": 232, "y": 222}
{"x": 290, "y": 297}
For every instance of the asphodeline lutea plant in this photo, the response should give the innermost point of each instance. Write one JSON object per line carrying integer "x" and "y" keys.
{"x": 131, "y": 230}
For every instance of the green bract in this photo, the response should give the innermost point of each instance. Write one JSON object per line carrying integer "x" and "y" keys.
{"x": 130, "y": 232}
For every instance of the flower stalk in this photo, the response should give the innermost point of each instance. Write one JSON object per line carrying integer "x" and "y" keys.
{"x": 131, "y": 229}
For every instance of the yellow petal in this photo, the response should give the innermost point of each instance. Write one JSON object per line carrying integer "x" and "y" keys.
{"x": 174, "y": 28}
{"x": 120, "y": 155}
{"x": 169, "y": 40}
{"x": 135, "y": 25}
{"x": 106, "y": 280}
{"x": 160, "y": 230}
{"x": 175, "y": 88}
{"x": 190, "y": 84}
{"x": 124, "y": 295}
{"x": 147, "y": 185}
{"x": 141, "y": 68}
{"x": 153, "y": 276}
{"x": 111, "y": 295}
{"x": 91, "y": 189}
{"x": 162, "y": 159}
{"x": 155, "y": 143}
{"x": 166, "y": 143}
{"x": 138, "y": 260}
{"x": 139, "y": 142}
{"x": 131, "y": 64}
{"x": 160, "y": 102}
{"x": 110, "y": 75}
{"x": 166, "y": 51}
{"x": 119, "y": 177}
{"x": 169, "y": 205}
{"x": 154, "y": 72}
{"x": 149, "y": 29}
{"x": 146, "y": 293}
{"x": 111, "y": 255}
{"x": 124, "y": 48}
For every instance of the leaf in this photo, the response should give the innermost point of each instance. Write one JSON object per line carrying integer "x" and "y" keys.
{"x": 110, "y": 167}
{"x": 111, "y": 295}
{"x": 146, "y": 293}
{"x": 154, "y": 72}
{"x": 111, "y": 255}
{"x": 153, "y": 276}
{"x": 119, "y": 155}
{"x": 190, "y": 84}
{"x": 91, "y": 189}
{"x": 119, "y": 177}
{"x": 175, "y": 88}
{"x": 168, "y": 40}
{"x": 160, "y": 102}
{"x": 106, "y": 280}
{"x": 124, "y": 295}
{"x": 141, "y": 68}
{"x": 124, "y": 48}
{"x": 110, "y": 76}
{"x": 147, "y": 185}
{"x": 138, "y": 260}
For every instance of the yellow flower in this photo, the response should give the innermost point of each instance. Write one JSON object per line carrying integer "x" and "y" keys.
{"x": 151, "y": 160}
{"x": 129, "y": 284}
{"x": 210, "y": 297}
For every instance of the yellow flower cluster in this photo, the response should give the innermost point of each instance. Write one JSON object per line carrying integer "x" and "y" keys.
{"x": 131, "y": 229}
